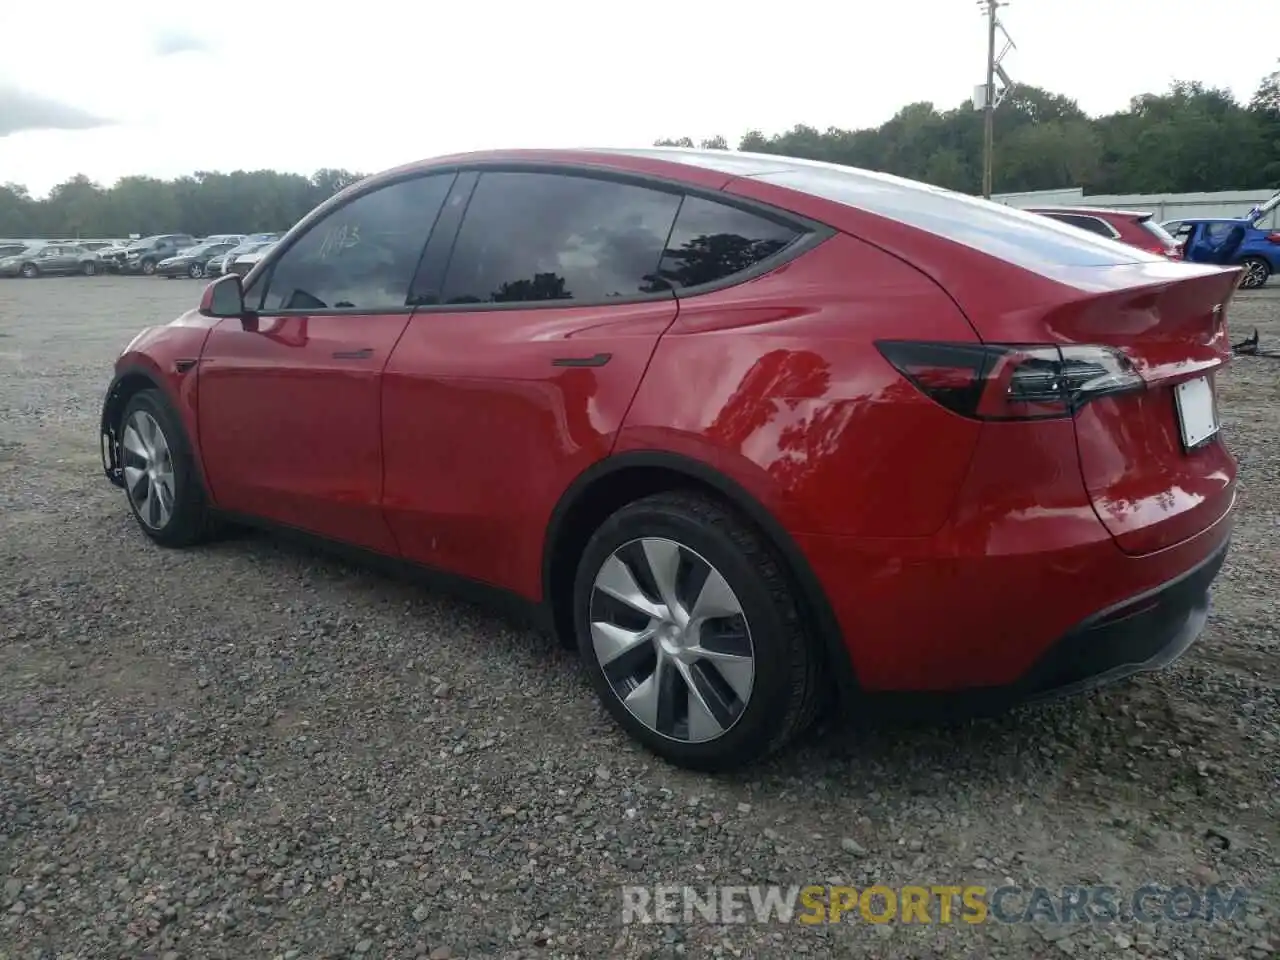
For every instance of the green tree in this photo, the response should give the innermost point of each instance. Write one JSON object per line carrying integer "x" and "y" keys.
{"x": 1191, "y": 137}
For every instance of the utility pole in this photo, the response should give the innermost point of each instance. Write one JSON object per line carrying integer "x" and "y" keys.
{"x": 989, "y": 103}
{"x": 986, "y": 98}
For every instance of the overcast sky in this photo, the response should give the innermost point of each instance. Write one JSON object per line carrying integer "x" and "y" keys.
{"x": 136, "y": 88}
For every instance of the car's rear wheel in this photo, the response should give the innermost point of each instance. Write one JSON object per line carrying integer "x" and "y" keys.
{"x": 164, "y": 489}
{"x": 690, "y": 633}
{"x": 30, "y": 271}
{"x": 89, "y": 268}
{"x": 1256, "y": 273}
{"x": 148, "y": 267}
{"x": 195, "y": 271}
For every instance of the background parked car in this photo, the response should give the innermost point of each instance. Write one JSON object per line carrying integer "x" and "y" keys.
{"x": 96, "y": 254}
{"x": 1134, "y": 227}
{"x": 8, "y": 249}
{"x": 1238, "y": 241}
{"x": 245, "y": 262}
{"x": 45, "y": 259}
{"x": 249, "y": 244}
{"x": 192, "y": 261}
{"x": 143, "y": 255}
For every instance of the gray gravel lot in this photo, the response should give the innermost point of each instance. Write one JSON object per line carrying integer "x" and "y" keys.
{"x": 250, "y": 750}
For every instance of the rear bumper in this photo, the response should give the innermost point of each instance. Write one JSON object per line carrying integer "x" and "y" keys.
{"x": 974, "y": 630}
{"x": 1146, "y": 632}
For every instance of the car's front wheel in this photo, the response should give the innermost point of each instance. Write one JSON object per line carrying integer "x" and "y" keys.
{"x": 30, "y": 271}
{"x": 160, "y": 477}
{"x": 691, "y": 635}
{"x": 1256, "y": 273}
{"x": 148, "y": 267}
{"x": 89, "y": 268}
{"x": 195, "y": 271}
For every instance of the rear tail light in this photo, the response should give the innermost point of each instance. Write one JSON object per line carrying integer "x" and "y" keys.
{"x": 1011, "y": 381}
{"x": 1273, "y": 237}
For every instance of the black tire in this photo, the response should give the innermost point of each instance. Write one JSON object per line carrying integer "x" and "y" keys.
{"x": 1256, "y": 273}
{"x": 787, "y": 689}
{"x": 148, "y": 267}
{"x": 195, "y": 271}
{"x": 89, "y": 269}
{"x": 190, "y": 521}
{"x": 29, "y": 271}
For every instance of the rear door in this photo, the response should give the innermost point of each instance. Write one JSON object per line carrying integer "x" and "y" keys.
{"x": 516, "y": 371}
{"x": 290, "y": 405}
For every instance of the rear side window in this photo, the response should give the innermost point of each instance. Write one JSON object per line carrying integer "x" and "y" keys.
{"x": 361, "y": 255}
{"x": 532, "y": 237}
{"x": 712, "y": 242}
{"x": 1024, "y": 239}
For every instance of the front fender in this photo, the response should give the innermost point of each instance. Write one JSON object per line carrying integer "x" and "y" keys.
{"x": 164, "y": 358}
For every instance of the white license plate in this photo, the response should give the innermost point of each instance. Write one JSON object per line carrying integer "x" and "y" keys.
{"x": 1197, "y": 411}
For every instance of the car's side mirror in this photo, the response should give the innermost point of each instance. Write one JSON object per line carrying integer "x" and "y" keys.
{"x": 224, "y": 297}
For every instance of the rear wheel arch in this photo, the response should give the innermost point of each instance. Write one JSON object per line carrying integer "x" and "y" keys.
{"x": 611, "y": 484}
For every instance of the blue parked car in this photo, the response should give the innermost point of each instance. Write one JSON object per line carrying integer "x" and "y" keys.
{"x": 1232, "y": 240}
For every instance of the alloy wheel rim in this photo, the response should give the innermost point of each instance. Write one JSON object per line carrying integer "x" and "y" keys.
{"x": 1255, "y": 274}
{"x": 195, "y": 271}
{"x": 672, "y": 640}
{"x": 148, "y": 470}
{"x": 28, "y": 271}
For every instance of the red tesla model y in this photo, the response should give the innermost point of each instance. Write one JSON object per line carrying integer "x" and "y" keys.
{"x": 754, "y": 433}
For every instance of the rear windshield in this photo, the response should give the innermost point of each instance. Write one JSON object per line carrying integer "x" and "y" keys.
{"x": 1159, "y": 232}
{"x": 1027, "y": 240}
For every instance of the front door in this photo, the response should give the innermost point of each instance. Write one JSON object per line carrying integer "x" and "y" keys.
{"x": 289, "y": 398}
{"x": 516, "y": 372}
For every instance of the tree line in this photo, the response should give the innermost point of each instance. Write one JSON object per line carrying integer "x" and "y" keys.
{"x": 202, "y": 204}
{"x": 1191, "y": 138}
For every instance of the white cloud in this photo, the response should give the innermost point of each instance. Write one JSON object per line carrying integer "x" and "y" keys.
{"x": 377, "y": 84}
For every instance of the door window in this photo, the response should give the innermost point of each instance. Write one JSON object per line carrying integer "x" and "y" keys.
{"x": 713, "y": 241}
{"x": 362, "y": 255}
{"x": 533, "y": 237}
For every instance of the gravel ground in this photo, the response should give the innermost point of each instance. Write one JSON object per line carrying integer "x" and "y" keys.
{"x": 250, "y": 750}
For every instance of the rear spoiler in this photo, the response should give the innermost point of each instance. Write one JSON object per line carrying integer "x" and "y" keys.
{"x": 1260, "y": 211}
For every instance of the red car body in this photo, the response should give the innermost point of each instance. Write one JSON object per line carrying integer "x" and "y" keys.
{"x": 947, "y": 529}
{"x": 1134, "y": 227}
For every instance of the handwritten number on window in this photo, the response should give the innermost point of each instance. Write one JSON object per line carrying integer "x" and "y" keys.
{"x": 338, "y": 239}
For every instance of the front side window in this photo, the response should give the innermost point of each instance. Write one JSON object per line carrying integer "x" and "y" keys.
{"x": 532, "y": 237}
{"x": 362, "y": 255}
{"x": 712, "y": 241}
